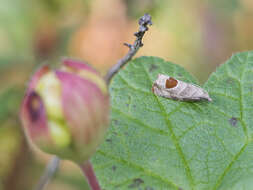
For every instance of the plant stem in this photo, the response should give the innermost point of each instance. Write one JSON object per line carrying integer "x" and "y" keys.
{"x": 144, "y": 21}
{"x": 49, "y": 173}
{"x": 90, "y": 175}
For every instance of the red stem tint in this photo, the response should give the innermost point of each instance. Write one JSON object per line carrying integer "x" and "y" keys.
{"x": 90, "y": 175}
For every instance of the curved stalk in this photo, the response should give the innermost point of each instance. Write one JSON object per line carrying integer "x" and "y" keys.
{"x": 49, "y": 173}
{"x": 90, "y": 175}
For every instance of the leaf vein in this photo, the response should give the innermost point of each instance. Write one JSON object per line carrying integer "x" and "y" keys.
{"x": 139, "y": 168}
{"x": 174, "y": 138}
{"x": 244, "y": 128}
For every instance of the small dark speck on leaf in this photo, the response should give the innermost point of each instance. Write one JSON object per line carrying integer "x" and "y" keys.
{"x": 114, "y": 133}
{"x": 114, "y": 168}
{"x": 153, "y": 67}
{"x": 136, "y": 183}
{"x": 233, "y": 121}
{"x": 115, "y": 122}
{"x": 180, "y": 188}
{"x": 230, "y": 81}
{"x": 149, "y": 188}
{"x": 108, "y": 140}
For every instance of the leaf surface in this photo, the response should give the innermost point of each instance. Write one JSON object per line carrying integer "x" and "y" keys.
{"x": 160, "y": 144}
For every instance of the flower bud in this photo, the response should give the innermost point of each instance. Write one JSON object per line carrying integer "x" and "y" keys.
{"x": 65, "y": 111}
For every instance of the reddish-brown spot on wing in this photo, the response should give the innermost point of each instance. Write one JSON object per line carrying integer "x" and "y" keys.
{"x": 171, "y": 83}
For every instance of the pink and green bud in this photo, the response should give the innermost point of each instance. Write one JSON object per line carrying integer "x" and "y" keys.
{"x": 66, "y": 111}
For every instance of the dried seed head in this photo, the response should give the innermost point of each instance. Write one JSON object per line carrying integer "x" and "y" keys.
{"x": 168, "y": 87}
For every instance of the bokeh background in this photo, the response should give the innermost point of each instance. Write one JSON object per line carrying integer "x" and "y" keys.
{"x": 197, "y": 34}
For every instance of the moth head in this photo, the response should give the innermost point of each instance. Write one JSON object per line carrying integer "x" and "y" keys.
{"x": 171, "y": 83}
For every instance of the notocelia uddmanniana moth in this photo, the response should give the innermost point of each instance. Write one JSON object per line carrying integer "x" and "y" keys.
{"x": 169, "y": 87}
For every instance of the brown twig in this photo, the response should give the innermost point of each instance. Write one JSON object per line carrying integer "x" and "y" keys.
{"x": 144, "y": 21}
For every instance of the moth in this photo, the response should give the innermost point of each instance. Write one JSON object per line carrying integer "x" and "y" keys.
{"x": 169, "y": 87}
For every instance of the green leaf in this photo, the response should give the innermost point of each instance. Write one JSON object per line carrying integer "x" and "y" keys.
{"x": 160, "y": 144}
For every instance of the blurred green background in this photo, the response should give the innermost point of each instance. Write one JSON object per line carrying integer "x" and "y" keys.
{"x": 197, "y": 34}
